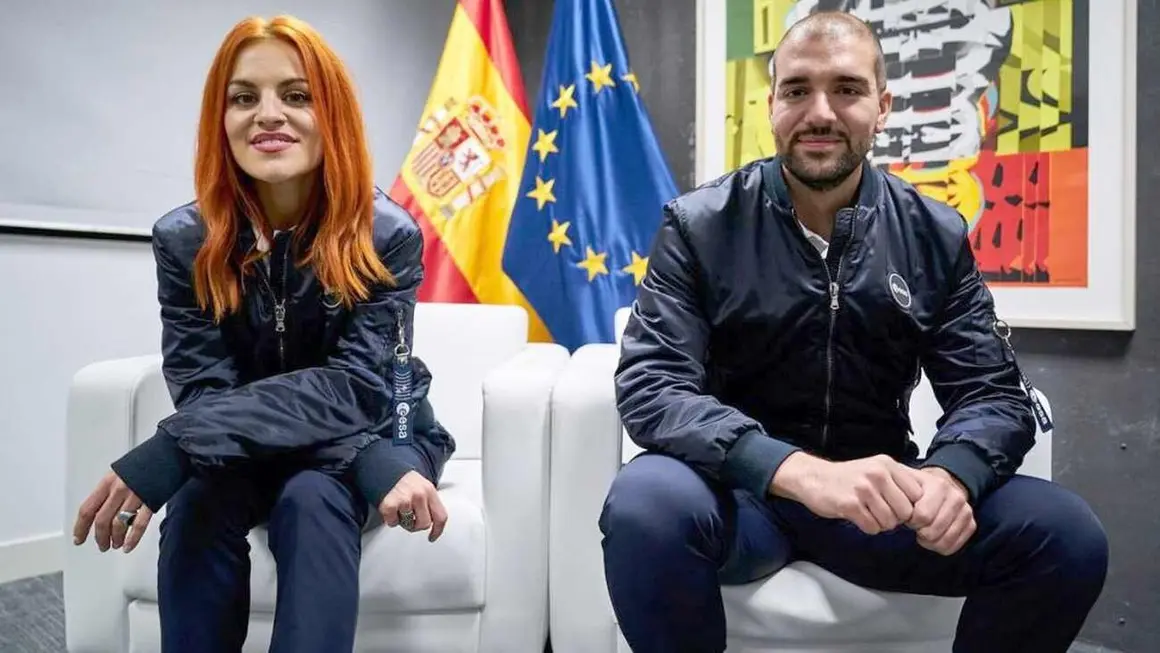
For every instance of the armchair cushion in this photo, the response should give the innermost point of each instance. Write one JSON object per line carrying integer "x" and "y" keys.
{"x": 805, "y": 603}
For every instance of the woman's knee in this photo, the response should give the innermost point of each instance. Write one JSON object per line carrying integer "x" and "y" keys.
{"x": 204, "y": 513}
{"x": 312, "y": 499}
{"x": 656, "y": 496}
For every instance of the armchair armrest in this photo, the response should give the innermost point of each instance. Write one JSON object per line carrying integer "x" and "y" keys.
{"x": 108, "y": 404}
{"x": 516, "y": 422}
{"x": 586, "y": 455}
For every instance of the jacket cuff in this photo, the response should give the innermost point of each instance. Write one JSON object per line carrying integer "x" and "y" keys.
{"x": 964, "y": 463}
{"x": 753, "y": 460}
{"x": 379, "y": 466}
{"x": 154, "y": 470}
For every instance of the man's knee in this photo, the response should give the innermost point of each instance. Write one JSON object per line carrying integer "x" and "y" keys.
{"x": 1062, "y": 527}
{"x": 1081, "y": 543}
{"x": 656, "y": 497}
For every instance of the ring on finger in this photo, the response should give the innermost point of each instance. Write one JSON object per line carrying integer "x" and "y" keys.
{"x": 407, "y": 519}
{"x": 126, "y": 517}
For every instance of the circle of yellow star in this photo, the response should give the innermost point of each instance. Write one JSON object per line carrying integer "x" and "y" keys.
{"x": 637, "y": 268}
{"x": 600, "y": 76}
{"x": 559, "y": 235}
{"x": 542, "y": 192}
{"x": 565, "y": 100}
{"x": 545, "y": 144}
{"x": 630, "y": 77}
{"x": 593, "y": 263}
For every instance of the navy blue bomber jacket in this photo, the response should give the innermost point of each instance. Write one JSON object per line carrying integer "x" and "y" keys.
{"x": 291, "y": 377}
{"x": 744, "y": 345}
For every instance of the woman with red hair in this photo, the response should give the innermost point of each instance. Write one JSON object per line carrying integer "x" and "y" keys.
{"x": 287, "y": 290}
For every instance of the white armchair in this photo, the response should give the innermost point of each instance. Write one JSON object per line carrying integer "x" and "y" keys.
{"x": 484, "y": 588}
{"x": 800, "y": 609}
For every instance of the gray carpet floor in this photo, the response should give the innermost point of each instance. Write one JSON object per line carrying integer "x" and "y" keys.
{"x": 32, "y": 618}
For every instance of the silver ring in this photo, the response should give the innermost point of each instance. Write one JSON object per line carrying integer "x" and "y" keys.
{"x": 407, "y": 519}
{"x": 126, "y": 517}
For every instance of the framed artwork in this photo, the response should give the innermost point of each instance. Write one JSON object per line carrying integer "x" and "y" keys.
{"x": 1021, "y": 114}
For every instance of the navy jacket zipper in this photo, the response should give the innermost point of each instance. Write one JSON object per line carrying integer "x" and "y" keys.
{"x": 833, "y": 284}
{"x": 279, "y": 311}
{"x": 835, "y": 287}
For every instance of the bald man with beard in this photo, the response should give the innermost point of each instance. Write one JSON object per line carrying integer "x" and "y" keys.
{"x": 766, "y": 370}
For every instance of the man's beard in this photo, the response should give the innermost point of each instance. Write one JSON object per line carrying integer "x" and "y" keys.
{"x": 829, "y": 175}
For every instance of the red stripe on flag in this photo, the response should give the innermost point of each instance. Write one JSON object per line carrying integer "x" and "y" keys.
{"x": 443, "y": 281}
{"x": 491, "y": 22}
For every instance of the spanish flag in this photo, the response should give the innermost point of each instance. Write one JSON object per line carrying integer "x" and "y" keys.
{"x": 462, "y": 176}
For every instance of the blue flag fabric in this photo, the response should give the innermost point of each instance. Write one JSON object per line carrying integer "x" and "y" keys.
{"x": 593, "y": 184}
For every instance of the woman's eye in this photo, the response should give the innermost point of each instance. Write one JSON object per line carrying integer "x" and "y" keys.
{"x": 297, "y": 97}
{"x": 243, "y": 98}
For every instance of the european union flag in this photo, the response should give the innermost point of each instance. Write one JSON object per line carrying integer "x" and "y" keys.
{"x": 593, "y": 183}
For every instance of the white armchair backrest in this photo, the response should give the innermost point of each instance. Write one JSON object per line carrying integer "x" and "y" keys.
{"x": 461, "y": 343}
{"x": 924, "y": 415}
{"x": 151, "y": 403}
{"x": 620, "y": 320}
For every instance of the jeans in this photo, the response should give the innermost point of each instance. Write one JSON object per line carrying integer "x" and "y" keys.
{"x": 1030, "y": 573}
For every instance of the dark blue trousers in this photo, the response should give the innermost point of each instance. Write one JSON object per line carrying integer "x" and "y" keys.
{"x": 314, "y": 522}
{"x": 1030, "y": 574}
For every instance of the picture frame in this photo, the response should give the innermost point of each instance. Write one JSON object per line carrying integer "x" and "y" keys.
{"x": 1091, "y": 161}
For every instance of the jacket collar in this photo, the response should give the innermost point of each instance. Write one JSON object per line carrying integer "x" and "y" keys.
{"x": 247, "y": 238}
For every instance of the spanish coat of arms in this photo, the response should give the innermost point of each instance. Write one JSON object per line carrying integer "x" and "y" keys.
{"x": 453, "y": 162}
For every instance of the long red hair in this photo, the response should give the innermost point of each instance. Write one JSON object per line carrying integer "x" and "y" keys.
{"x": 341, "y": 215}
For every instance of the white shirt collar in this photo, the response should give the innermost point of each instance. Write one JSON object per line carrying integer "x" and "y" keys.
{"x": 817, "y": 241}
{"x": 261, "y": 243}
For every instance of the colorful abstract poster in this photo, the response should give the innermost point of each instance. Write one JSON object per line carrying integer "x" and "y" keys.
{"x": 990, "y": 115}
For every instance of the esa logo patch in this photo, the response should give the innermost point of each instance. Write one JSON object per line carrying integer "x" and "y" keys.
{"x": 402, "y": 419}
{"x": 899, "y": 290}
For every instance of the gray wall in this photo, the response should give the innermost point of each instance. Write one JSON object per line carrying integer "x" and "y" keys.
{"x": 1103, "y": 386}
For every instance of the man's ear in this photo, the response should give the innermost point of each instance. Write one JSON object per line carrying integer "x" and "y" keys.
{"x": 769, "y": 88}
{"x": 885, "y": 102}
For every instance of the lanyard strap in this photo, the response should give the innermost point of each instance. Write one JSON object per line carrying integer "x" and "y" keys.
{"x": 401, "y": 381}
{"x": 1041, "y": 416}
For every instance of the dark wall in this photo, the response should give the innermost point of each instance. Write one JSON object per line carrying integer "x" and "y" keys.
{"x": 1104, "y": 387}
